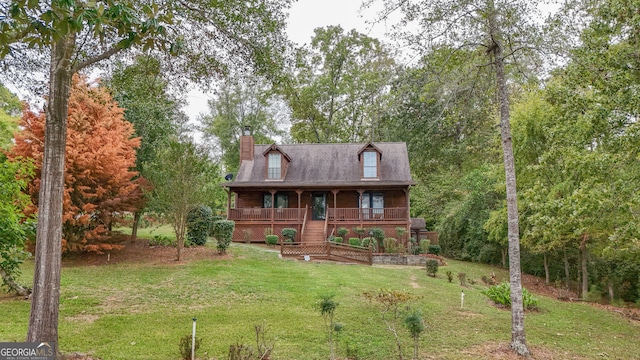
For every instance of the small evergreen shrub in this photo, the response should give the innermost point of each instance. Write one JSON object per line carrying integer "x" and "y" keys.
{"x": 223, "y": 232}
{"x": 432, "y": 267}
{"x": 272, "y": 240}
{"x": 343, "y": 232}
{"x": 199, "y": 220}
{"x": 424, "y": 245}
{"x": 449, "y": 276}
{"x": 289, "y": 234}
{"x": 400, "y": 231}
{"x": 501, "y": 294}
{"x": 355, "y": 242}
{"x": 390, "y": 245}
{"x": 370, "y": 242}
{"x": 185, "y": 346}
{"x": 435, "y": 249}
{"x": 359, "y": 231}
{"x": 338, "y": 239}
{"x": 377, "y": 234}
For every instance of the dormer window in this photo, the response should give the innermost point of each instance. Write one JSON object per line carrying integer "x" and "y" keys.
{"x": 275, "y": 166}
{"x": 370, "y": 164}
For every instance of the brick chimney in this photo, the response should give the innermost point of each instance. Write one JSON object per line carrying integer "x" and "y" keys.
{"x": 246, "y": 145}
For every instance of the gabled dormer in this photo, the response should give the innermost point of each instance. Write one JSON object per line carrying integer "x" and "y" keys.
{"x": 369, "y": 158}
{"x": 277, "y": 162}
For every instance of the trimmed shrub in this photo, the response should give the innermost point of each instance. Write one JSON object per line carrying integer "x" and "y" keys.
{"x": 289, "y": 234}
{"x": 390, "y": 245}
{"x": 223, "y": 232}
{"x": 355, "y": 242}
{"x": 359, "y": 231}
{"x": 272, "y": 240}
{"x": 501, "y": 294}
{"x": 424, "y": 245}
{"x": 337, "y": 239}
{"x": 199, "y": 220}
{"x": 343, "y": 232}
{"x": 400, "y": 231}
{"x": 377, "y": 234}
{"x": 432, "y": 267}
{"x": 435, "y": 249}
{"x": 370, "y": 242}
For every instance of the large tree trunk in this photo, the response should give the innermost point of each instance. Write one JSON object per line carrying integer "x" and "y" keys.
{"x": 583, "y": 265}
{"x": 567, "y": 274}
{"x": 43, "y": 320}
{"x": 136, "y": 222}
{"x": 518, "y": 339}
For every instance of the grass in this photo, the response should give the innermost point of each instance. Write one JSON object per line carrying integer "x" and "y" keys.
{"x": 140, "y": 311}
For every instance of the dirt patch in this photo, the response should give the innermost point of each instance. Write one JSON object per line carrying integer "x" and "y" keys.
{"x": 139, "y": 251}
{"x": 414, "y": 282}
{"x": 502, "y": 351}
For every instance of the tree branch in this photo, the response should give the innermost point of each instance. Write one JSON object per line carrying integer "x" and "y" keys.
{"x": 105, "y": 55}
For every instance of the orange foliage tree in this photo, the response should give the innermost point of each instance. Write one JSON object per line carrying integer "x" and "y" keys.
{"x": 100, "y": 153}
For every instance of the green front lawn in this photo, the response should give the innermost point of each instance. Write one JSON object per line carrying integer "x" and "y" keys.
{"x": 140, "y": 311}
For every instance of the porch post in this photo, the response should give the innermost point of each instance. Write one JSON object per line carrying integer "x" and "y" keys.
{"x": 228, "y": 201}
{"x": 406, "y": 194}
{"x": 360, "y": 191}
{"x": 299, "y": 193}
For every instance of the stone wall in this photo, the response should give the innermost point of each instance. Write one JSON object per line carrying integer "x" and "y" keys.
{"x": 398, "y": 259}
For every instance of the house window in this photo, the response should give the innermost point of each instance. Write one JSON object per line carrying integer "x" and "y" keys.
{"x": 374, "y": 203}
{"x": 370, "y": 164}
{"x": 275, "y": 169}
{"x": 282, "y": 201}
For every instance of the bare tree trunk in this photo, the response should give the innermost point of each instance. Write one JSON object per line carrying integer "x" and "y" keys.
{"x": 43, "y": 320}
{"x": 567, "y": 274}
{"x": 518, "y": 338}
{"x": 611, "y": 294}
{"x": 583, "y": 265}
{"x": 546, "y": 269}
{"x": 504, "y": 257}
{"x": 134, "y": 227}
{"x": 13, "y": 285}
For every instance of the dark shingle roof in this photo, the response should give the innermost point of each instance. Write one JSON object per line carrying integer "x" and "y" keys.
{"x": 327, "y": 164}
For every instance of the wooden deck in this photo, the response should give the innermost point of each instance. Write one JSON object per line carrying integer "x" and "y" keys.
{"x": 339, "y": 214}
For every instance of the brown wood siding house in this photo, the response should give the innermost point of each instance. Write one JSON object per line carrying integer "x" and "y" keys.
{"x": 318, "y": 188}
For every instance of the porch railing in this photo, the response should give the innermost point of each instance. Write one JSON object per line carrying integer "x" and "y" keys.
{"x": 340, "y": 214}
{"x": 259, "y": 214}
{"x": 369, "y": 214}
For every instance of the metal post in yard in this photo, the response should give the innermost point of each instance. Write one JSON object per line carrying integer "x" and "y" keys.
{"x": 193, "y": 341}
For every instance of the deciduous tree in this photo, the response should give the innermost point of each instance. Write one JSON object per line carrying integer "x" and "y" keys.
{"x": 100, "y": 153}
{"x": 504, "y": 30}
{"x": 72, "y": 35}
{"x": 182, "y": 177}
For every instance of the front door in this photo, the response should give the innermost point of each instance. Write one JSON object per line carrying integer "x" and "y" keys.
{"x": 319, "y": 206}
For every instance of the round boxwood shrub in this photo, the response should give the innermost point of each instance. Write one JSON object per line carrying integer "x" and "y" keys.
{"x": 432, "y": 267}
{"x": 223, "y": 232}
{"x": 342, "y": 232}
{"x": 199, "y": 220}
{"x": 435, "y": 249}
{"x": 289, "y": 234}
{"x": 337, "y": 239}
{"x": 272, "y": 240}
{"x": 354, "y": 242}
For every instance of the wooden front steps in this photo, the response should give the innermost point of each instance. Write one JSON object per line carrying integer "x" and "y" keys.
{"x": 314, "y": 232}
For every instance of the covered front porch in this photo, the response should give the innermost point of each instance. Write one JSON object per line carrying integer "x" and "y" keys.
{"x": 317, "y": 213}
